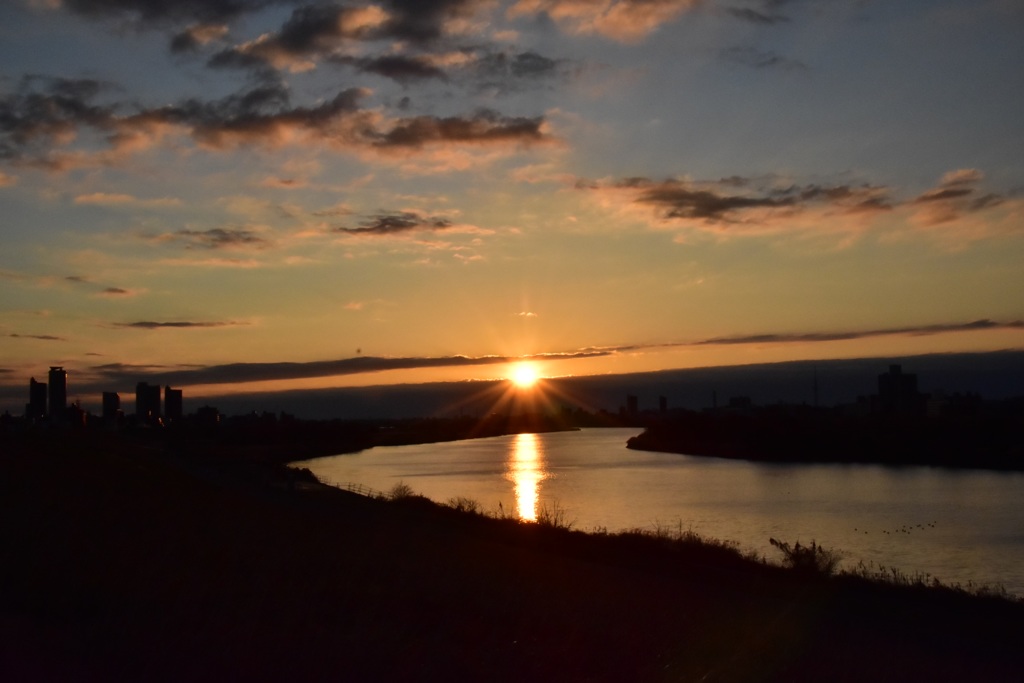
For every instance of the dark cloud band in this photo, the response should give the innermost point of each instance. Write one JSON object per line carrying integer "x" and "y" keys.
{"x": 261, "y": 372}
{"x": 37, "y": 119}
{"x": 396, "y": 223}
{"x": 177, "y": 324}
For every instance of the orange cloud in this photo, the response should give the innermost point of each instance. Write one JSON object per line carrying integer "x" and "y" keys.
{"x": 740, "y": 206}
{"x": 259, "y": 116}
{"x": 955, "y": 212}
{"x": 117, "y": 199}
{"x": 621, "y": 20}
{"x": 956, "y": 196}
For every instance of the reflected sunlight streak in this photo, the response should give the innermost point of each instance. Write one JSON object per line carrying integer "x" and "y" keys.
{"x": 526, "y": 471}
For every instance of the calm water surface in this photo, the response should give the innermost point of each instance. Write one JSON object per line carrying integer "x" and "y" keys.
{"x": 959, "y": 526}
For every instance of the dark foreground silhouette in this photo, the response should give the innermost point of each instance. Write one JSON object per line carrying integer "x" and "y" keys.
{"x": 807, "y": 435}
{"x": 126, "y": 562}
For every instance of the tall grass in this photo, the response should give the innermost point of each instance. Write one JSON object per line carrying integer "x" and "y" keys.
{"x": 812, "y": 560}
{"x": 464, "y": 505}
{"x": 554, "y": 516}
{"x": 893, "y": 575}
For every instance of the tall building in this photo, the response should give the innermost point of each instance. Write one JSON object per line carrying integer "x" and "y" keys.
{"x": 172, "y": 403}
{"x": 35, "y": 409}
{"x": 58, "y": 392}
{"x": 147, "y": 401}
{"x": 111, "y": 406}
{"x": 897, "y": 392}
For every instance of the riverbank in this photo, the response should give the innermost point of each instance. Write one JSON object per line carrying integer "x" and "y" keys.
{"x": 269, "y": 439}
{"x": 127, "y": 563}
{"x": 803, "y": 434}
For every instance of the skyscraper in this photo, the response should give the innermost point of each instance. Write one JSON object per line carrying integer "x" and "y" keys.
{"x": 111, "y": 406}
{"x": 58, "y": 393}
{"x": 897, "y": 392}
{"x": 147, "y": 401}
{"x": 172, "y": 403}
{"x": 35, "y": 409}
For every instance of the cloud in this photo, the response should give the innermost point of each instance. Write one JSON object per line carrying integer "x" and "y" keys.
{"x": 956, "y": 196}
{"x": 397, "y": 223}
{"x": 37, "y": 337}
{"x": 216, "y": 238}
{"x": 526, "y": 314}
{"x": 737, "y": 200}
{"x": 180, "y": 324}
{"x": 424, "y": 22}
{"x": 157, "y": 12}
{"x": 334, "y": 32}
{"x": 760, "y": 59}
{"x": 311, "y": 32}
{"x": 210, "y": 263}
{"x": 255, "y": 372}
{"x": 283, "y": 183}
{"x": 44, "y": 112}
{"x": 417, "y": 35}
{"x": 917, "y": 331}
{"x": 336, "y": 210}
{"x": 104, "y": 291}
{"x": 956, "y": 212}
{"x": 118, "y": 292}
{"x": 7, "y": 180}
{"x": 508, "y": 71}
{"x": 621, "y": 20}
{"x": 821, "y": 337}
{"x": 400, "y": 68}
{"x": 116, "y": 199}
{"x": 260, "y": 372}
{"x": 764, "y": 16}
{"x": 196, "y": 36}
{"x": 44, "y": 117}
{"x": 484, "y": 127}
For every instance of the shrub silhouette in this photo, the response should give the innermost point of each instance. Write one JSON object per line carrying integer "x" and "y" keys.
{"x": 808, "y": 559}
{"x": 400, "y": 491}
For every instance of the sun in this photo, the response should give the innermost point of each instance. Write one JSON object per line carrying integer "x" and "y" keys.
{"x": 524, "y": 375}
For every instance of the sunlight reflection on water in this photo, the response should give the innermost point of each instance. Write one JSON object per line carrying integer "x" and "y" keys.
{"x": 958, "y": 525}
{"x": 525, "y": 469}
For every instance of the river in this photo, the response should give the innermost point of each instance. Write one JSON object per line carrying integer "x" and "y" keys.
{"x": 959, "y": 526}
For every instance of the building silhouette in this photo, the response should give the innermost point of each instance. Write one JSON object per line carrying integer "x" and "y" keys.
{"x": 58, "y": 393}
{"x": 147, "y": 401}
{"x": 172, "y": 403}
{"x": 35, "y": 409}
{"x": 897, "y": 392}
{"x": 111, "y": 406}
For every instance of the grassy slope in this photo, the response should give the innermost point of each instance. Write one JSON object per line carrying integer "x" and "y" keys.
{"x": 121, "y": 565}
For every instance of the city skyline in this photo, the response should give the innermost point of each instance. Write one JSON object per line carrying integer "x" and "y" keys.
{"x": 253, "y": 196}
{"x": 49, "y": 401}
{"x": 846, "y": 383}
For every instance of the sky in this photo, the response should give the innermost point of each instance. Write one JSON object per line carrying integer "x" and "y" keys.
{"x": 243, "y": 195}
